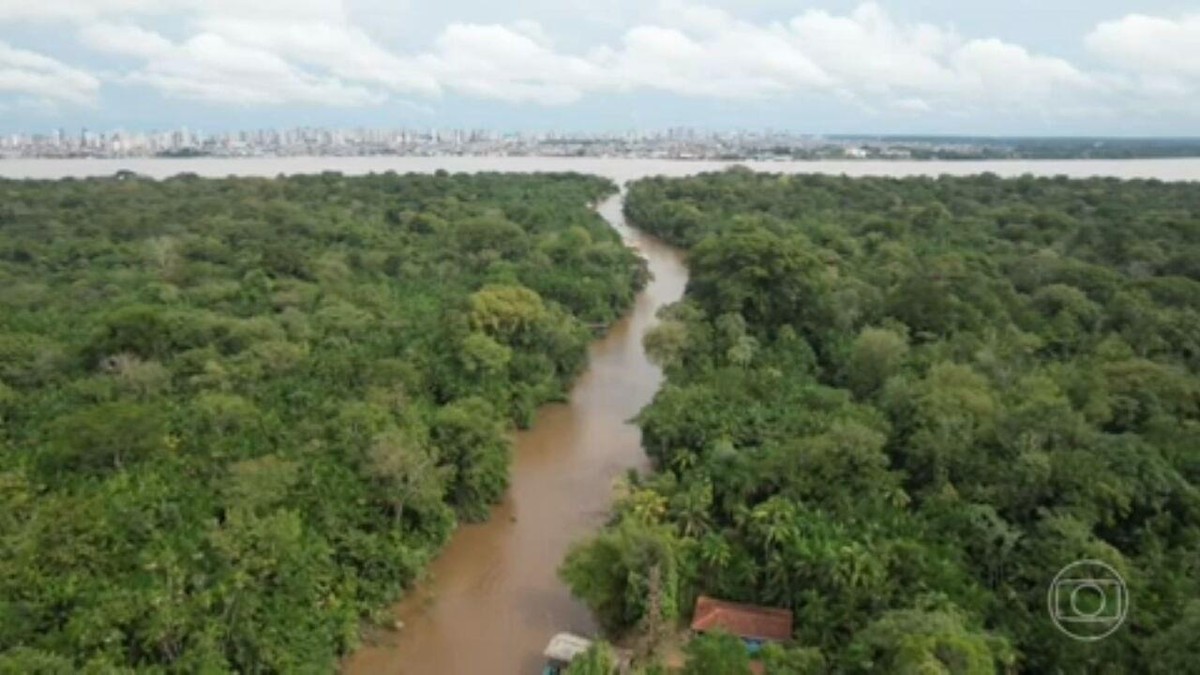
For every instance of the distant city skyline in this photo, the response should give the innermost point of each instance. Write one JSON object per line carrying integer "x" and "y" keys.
{"x": 1025, "y": 67}
{"x": 677, "y": 143}
{"x": 234, "y": 129}
{"x": 672, "y": 143}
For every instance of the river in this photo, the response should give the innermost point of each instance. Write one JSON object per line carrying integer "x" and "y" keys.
{"x": 493, "y": 598}
{"x": 619, "y": 169}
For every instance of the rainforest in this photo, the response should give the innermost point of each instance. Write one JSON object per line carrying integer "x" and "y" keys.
{"x": 239, "y": 416}
{"x": 897, "y": 407}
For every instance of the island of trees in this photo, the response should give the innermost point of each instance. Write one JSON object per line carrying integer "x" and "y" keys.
{"x": 898, "y": 407}
{"x": 239, "y": 416}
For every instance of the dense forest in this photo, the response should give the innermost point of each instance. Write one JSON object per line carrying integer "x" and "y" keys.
{"x": 239, "y": 416}
{"x": 898, "y": 407}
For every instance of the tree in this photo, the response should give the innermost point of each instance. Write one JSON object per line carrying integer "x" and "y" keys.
{"x": 1070, "y": 316}
{"x": 1174, "y": 649}
{"x": 876, "y": 355}
{"x": 136, "y": 329}
{"x": 474, "y": 448}
{"x": 490, "y": 233}
{"x": 955, "y": 410}
{"x": 599, "y": 659}
{"x": 257, "y": 485}
{"x": 778, "y": 660}
{"x": 768, "y": 280}
{"x": 912, "y": 642}
{"x": 510, "y": 314}
{"x": 106, "y": 437}
{"x": 483, "y": 355}
{"x": 716, "y": 654}
{"x": 407, "y": 474}
{"x": 612, "y": 574}
{"x": 666, "y": 342}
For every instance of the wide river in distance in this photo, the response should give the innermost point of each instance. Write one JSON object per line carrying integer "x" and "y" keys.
{"x": 493, "y": 598}
{"x": 618, "y": 168}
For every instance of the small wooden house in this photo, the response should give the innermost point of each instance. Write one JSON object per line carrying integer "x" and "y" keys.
{"x": 755, "y": 625}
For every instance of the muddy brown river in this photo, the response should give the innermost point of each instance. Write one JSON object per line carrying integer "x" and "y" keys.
{"x": 493, "y": 598}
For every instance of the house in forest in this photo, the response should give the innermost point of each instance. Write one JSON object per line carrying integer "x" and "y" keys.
{"x": 754, "y": 624}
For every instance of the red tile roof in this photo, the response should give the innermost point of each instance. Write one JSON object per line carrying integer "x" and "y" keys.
{"x": 744, "y": 621}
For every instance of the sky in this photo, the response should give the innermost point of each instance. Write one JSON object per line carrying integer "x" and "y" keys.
{"x": 1011, "y": 67}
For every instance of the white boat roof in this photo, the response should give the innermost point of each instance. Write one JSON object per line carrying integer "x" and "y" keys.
{"x": 566, "y": 646}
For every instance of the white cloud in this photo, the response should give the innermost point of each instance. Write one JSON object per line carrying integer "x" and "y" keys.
{"x": 690, "y": 50}
{"x": 727, "y": 59}
{"x": 534, "y": 31}
{"x": 75, "y": 10}
{"x": 872, "y": 55}
{"x": 89, "y": 10}
{"x": 1150, "y": 45}
{"x": 274, "y": 11}
{"x": 697, "y": 18}
{"x": 343, "y": 51}
{"x": 504, "y": 63}
{"x": 704, "y": 52}
{"x": 867, "y": 50}
{"x": 268, "y": 51}
{"x": 310, "y": 51}
{"x": 912, "y": 104}
{"x": 992, "y": 69}
{"x": 210, "y": 67}
{"x": 29, "y": 74}
{"x": 125, "y": 39}
{"x": 1155, "y": 62}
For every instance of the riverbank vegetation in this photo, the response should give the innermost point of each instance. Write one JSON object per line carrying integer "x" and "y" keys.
{"x": 237, "y": 416}
{"x": 898, "y": 407}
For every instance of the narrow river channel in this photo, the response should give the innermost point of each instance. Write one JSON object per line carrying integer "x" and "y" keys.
{"x": 494, "y": 598}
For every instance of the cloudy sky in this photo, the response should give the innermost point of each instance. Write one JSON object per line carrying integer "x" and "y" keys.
{"x": 825, "y": 66}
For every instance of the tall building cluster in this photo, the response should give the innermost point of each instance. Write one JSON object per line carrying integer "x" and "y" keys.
{"x": 673, "y": 143}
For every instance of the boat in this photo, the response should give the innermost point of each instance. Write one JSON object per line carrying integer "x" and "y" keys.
{"x": 563, "y": 649}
